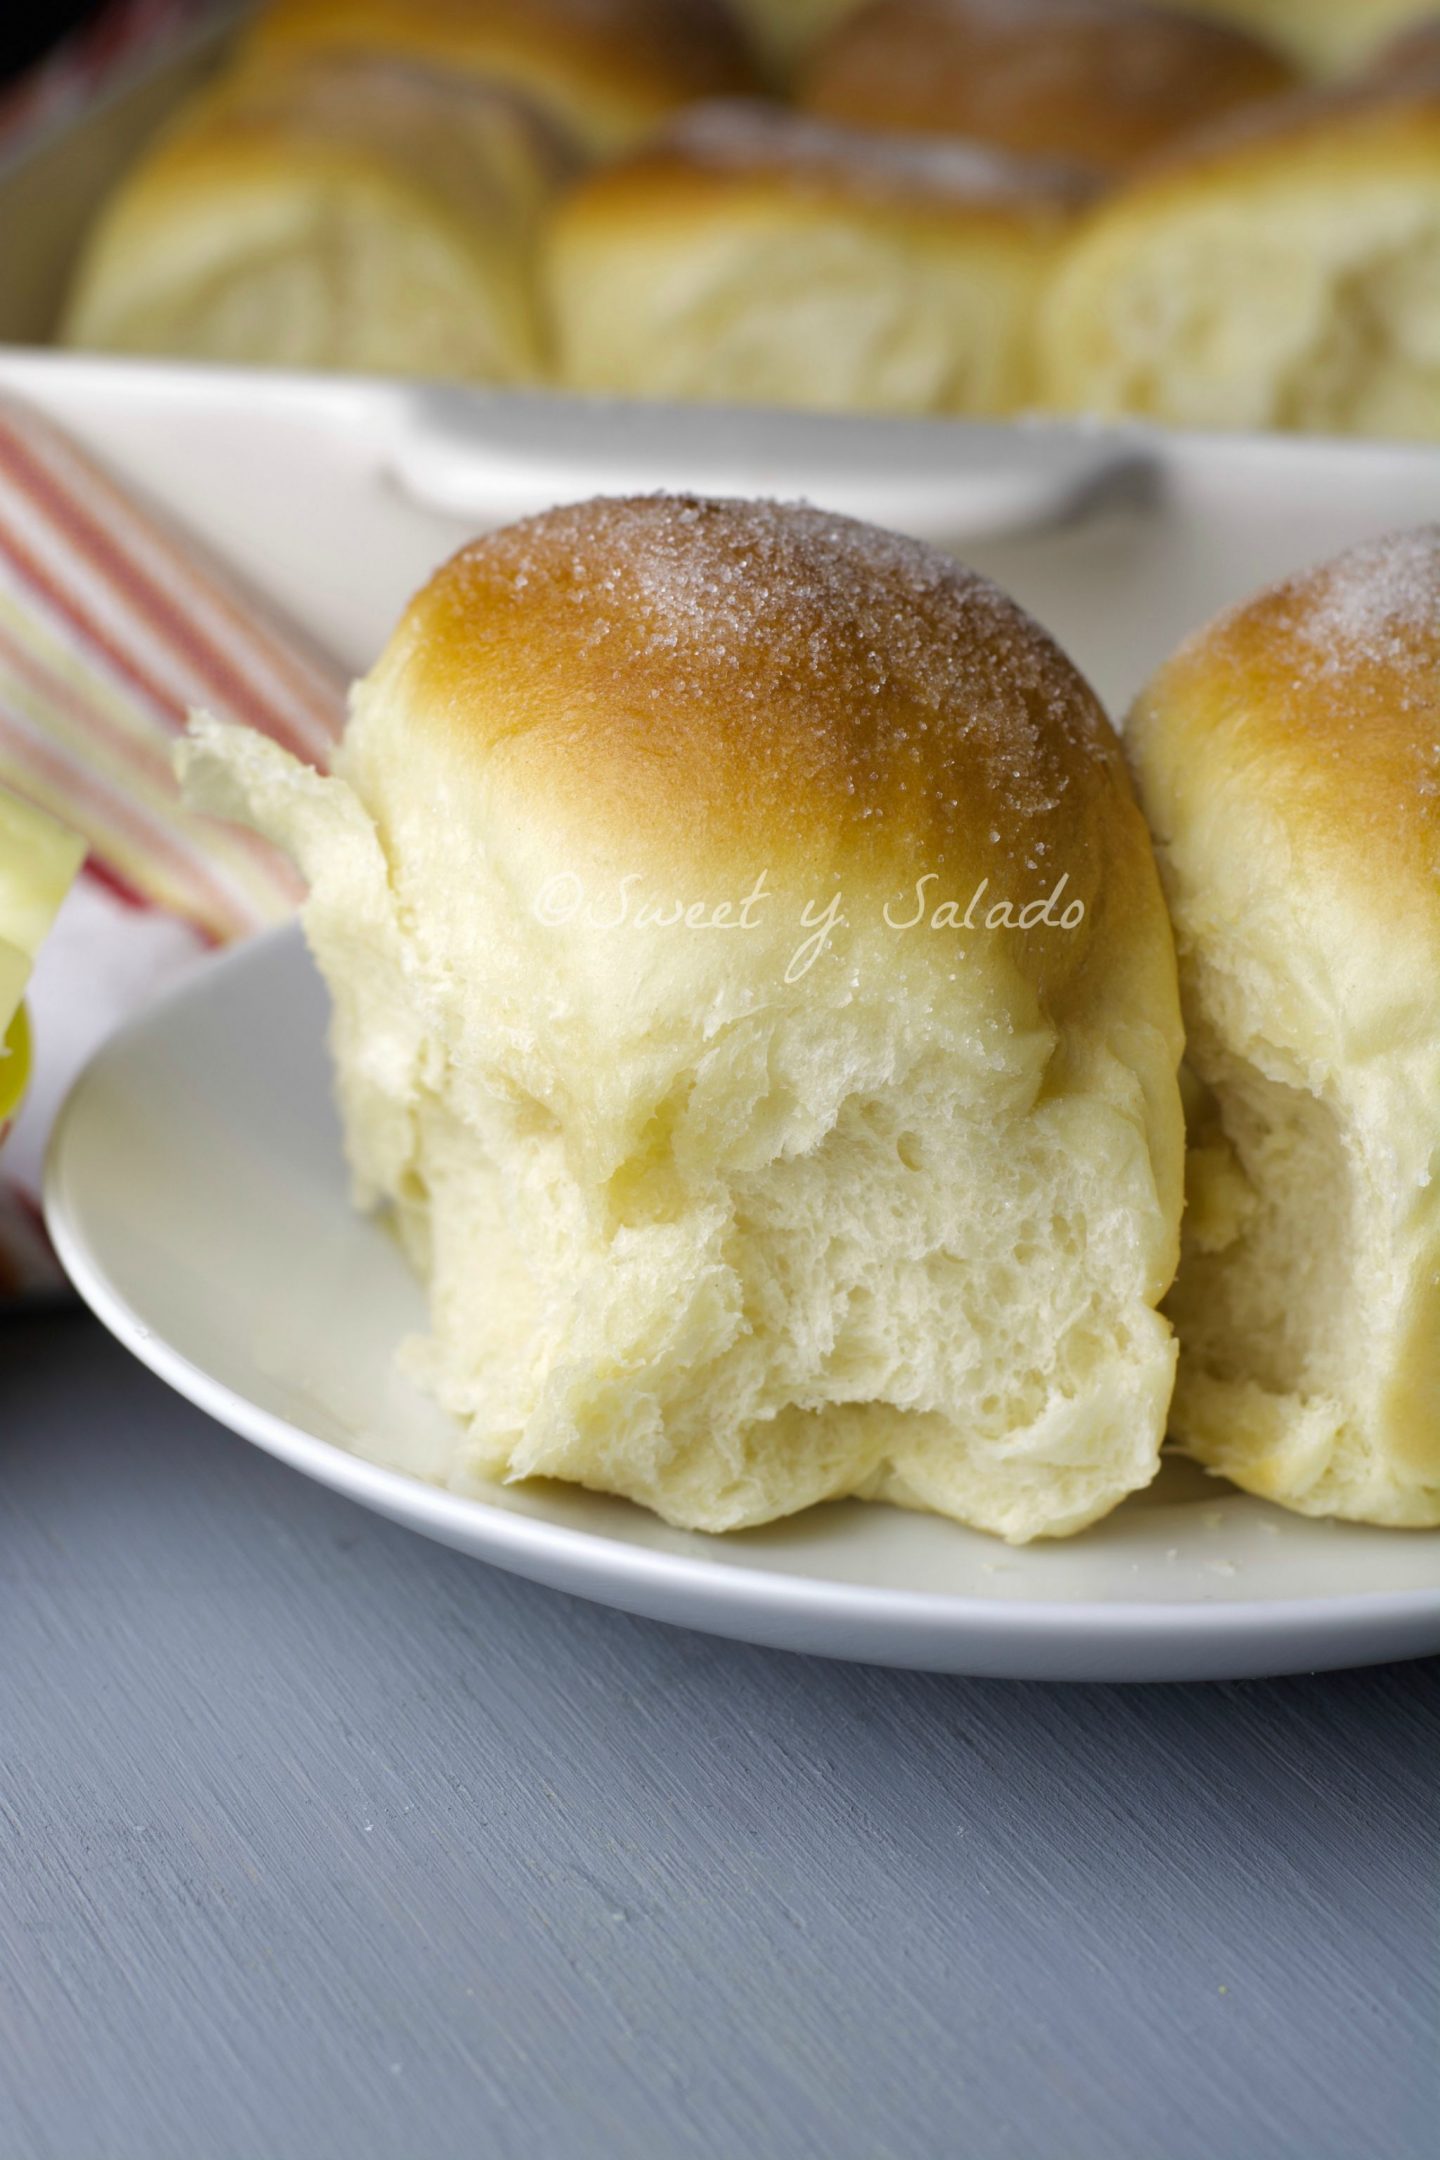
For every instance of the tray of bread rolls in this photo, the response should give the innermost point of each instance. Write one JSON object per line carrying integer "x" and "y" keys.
{"x": 1221, "y": 214}
{"x": 861, "y": 1067}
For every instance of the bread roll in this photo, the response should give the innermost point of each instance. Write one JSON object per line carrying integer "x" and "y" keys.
{"x": 754, "y": 256}
{"x": 607, "y": 70}
{"x": 1324, "y": 37}
{"x": 354, "y": 214}
{"x": 1103, "y": 83}
{"x": 1281, "y": 276}
{"x": 1289, "y": 761}
{"x": 769, "y": 1202}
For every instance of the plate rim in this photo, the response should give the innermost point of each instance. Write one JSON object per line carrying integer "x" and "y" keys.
{"x": 508, "y": 1538}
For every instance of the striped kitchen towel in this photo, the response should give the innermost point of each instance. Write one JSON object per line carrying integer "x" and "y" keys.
{"x": 112, "y": 624}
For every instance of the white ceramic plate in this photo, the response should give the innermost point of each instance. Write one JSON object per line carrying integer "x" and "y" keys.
{"x": 196, "y": 1192}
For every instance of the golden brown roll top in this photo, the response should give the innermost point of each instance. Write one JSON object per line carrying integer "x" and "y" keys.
{"x": 1316, "y": 708}
{"x": 607, "y": 70}
{"x": 745, "y": 1170}
{"x": 1289, "y": 762}
{"x": 754, "y": 255}
{"x": 1103, "y": 83}
{"x": 699, "y": 679}
{"x": 349, "y": 213}
{"x": 1281, "y": 273}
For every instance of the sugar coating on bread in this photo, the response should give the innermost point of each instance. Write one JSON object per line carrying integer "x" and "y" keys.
{"x": 1342, "y": 661}
{"x": 747, "y": 135}
{"x": 1278, "y": 272}
{"x": 345, "y": 212}
{"x": 687, "y": 650}
{"x": 748, "y": 254}
{"x": 1289, "y": 761}
{"x": 1102, "y": 83}
{"x": 732, "y": 1195}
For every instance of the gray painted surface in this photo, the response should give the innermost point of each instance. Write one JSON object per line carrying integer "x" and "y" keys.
{"x": 320, "y": 1841}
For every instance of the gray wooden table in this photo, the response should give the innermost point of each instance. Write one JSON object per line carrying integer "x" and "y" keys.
{"x": 320, "y": 1841}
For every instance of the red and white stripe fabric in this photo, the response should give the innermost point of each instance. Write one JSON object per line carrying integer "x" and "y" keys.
{"x": 112, "y": 625}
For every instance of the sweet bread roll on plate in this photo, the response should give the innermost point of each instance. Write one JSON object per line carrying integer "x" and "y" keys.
{"x": 750, "y": 255}
{"x": 1288, "y": 759}
{"x": 355, "y": 214}
{"x": 1102, "y": 83}
{"x": 1323, "y": 37}
{"x": 1284, "y": 275}
{"x": 733, "y": 1194}
{"x": 607, "y": 70}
